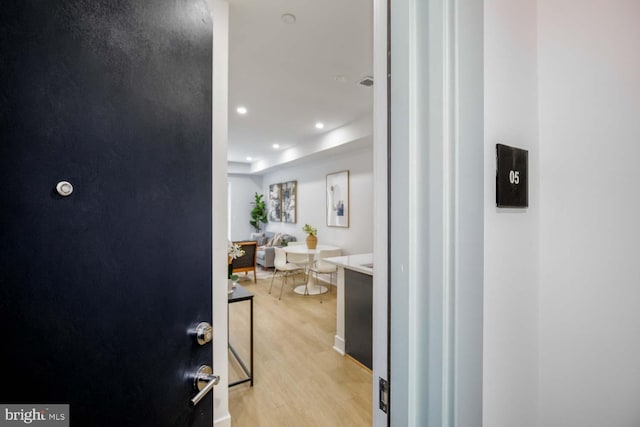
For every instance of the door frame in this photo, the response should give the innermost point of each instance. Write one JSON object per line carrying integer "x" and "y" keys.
{"x": 220, "y": 124}
{"x": 380, "y": 309}
{"x": 436, "y": 212}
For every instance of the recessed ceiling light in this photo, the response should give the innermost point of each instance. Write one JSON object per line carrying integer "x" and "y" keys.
{"x": 319, "y": 125}
{"x": 241, "y": 110}
{"x": 276, "y": 145}
{"x": 288, "y": 18}
{"x": 249, "y": 158}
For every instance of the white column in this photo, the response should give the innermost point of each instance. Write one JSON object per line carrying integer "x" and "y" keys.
{"x": 338, "y": 341}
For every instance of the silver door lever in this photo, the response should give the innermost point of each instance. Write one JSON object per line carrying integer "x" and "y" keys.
{"x": 204, "y": 381}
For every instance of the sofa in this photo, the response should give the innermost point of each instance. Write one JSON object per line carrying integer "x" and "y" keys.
{"x": 267, "y": 242}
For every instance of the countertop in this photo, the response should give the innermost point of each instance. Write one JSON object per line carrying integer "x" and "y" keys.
{"x": 360, "y": 262}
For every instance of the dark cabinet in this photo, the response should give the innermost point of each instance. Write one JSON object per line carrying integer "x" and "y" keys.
{"x": 358, "y": 316}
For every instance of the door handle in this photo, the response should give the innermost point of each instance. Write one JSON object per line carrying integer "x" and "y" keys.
{"x": 203, "y": 382}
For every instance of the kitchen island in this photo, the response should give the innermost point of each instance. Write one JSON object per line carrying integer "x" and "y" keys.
{"x": 354, "y": 307}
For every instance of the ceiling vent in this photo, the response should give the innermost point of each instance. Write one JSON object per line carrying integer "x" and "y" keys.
{"x": 367, "y": 81}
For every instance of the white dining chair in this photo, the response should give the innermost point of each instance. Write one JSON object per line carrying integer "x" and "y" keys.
{"x": 323, "y": 267}
{"x": 286, "y": 269}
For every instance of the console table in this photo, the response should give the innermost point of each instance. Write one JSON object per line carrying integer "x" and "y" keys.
{"x": 241, "y": 294}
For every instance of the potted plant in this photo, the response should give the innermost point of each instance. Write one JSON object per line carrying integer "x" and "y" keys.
{"x": 312, "y": 239}
{"x": 258, "y": 213}
{"x": 233, "y": 251}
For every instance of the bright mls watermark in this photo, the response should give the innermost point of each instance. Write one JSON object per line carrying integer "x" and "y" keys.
{"x": 37, "y": 415}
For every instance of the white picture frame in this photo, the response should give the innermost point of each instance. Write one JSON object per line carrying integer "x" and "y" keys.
{"x": 337, "y": 199}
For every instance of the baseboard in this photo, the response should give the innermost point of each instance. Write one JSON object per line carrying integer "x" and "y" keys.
{"x": 338, "y": 345}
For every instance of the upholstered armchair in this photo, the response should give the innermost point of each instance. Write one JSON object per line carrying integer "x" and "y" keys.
{"x": 246, "y": 262}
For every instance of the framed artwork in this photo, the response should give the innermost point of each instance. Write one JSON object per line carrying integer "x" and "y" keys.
{"x": 338, "y": 199}
{"x": 289, "y": 207}
{"x": 275, "y": 203}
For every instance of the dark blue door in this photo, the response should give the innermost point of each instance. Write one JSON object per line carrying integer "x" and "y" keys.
{"x": 100, "y": 289}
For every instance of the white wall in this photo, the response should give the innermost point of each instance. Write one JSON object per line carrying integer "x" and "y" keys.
{"x": 311, "y": 177}
{"x": 511, "y": 235}
{"x": 590, "y": 146}
{"x": 242, "y": 194}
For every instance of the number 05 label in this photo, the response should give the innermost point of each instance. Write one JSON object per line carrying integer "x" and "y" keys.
{"x": 511, "y": 177}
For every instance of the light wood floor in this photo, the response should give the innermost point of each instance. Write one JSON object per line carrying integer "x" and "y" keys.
{"x": 299, "y": 379}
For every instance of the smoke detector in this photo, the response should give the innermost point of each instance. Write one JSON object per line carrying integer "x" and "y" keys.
{"x": 366, "y": 81}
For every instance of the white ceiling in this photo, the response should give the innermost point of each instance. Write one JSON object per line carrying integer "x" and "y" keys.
{"x": 284, "y": 74}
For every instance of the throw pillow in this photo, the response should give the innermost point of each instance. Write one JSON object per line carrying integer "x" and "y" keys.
{"x": 270, "y": 242}
{"x": 277, "y": 239}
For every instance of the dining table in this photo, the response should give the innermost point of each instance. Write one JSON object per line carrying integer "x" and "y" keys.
{"x": 309, "y": 288}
